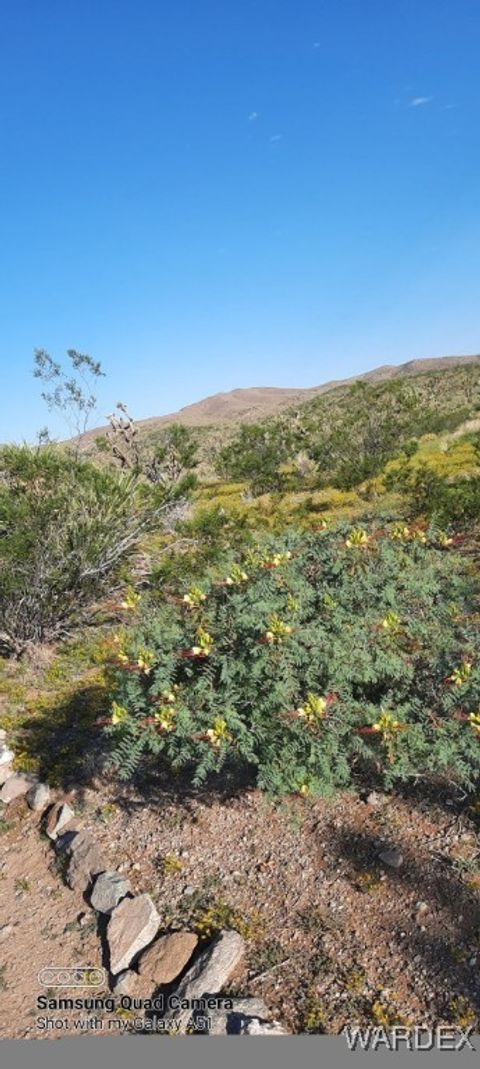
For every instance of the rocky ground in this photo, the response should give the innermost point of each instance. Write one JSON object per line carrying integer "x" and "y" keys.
{"x": 352, "y": 910}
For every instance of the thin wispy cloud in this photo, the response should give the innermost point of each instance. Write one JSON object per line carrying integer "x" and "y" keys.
{"x": 418, "y": 102}
{"x": 275, "y": 137}
{"x": 253, "y": 116}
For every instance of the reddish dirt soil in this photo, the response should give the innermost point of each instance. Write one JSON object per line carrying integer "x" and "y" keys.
{"x": 333, "y": 935}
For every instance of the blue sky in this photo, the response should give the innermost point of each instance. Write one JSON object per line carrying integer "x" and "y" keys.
{"x": 221, "y": 194}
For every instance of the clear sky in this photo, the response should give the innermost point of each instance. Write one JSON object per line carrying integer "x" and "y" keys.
{"x": 226, "y": 193}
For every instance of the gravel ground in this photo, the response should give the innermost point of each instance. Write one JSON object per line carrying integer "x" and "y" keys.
{"x": 334, "y": 935}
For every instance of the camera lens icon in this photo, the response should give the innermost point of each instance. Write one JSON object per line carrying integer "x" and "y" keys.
{"x": 72, "y": 976}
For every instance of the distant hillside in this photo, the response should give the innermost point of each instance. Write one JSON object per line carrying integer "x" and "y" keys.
{"x": 261, "y": 402}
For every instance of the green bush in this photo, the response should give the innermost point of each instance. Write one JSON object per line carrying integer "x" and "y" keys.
{"x": 66, "y": 526}
{"x": 453, "y": 502}
{"x": 257, "y": 454}
{"x": 307, "y": 663}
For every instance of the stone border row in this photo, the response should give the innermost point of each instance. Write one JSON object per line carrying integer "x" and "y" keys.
{"x": 169, "y": 970}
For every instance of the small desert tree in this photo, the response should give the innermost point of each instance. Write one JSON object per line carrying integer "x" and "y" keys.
{"x": 70, "y": 389}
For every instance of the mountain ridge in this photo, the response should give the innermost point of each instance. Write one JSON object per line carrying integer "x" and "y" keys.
{"x": 253, "y": 398}
{"x": 249, "y": 404}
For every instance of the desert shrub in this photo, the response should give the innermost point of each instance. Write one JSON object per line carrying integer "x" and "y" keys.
{"x": 66, "y": 526}
{"x": 257, "y": 454}
{"x": 308, "y": 661}
{"x": 453, "y": 502}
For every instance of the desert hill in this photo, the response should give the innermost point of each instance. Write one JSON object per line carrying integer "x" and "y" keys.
{"x": 259, "y": 402}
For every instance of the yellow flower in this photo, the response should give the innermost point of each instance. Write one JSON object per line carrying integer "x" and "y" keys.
{"x": 313, "y": 710}
{"x": 194, "y": 598}
{"x": 461, "y": 674}
{"x": 277, "y": 629}
{"x": 122, "y": 657}
{"x": 400, "y": 533}
{"x": 474, "y": 719}
{"x": 237, "y": 576}
{"x": 304, "y": 790}
{"x": 131, "y": 601}
{"x": 391, "y": 622}
{"x": 145, "y": 661}
{"x": 358, "y": 538}
{"x": 219, "y": 732}
{"x": 205, "y": 643}
{"x": 166, "y": 718}
{"x": 387, "y": 724}
{"x": 119, "y": 713}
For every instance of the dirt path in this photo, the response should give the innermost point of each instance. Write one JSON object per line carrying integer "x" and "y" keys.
{"x": 334, "y": 934}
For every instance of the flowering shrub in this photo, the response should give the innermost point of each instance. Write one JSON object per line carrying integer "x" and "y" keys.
{"x": 328, "y": 654}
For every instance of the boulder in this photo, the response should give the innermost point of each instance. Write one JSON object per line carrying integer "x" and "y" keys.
{"x": 108, "y": 890}
{"x": 59, "y": 816}
{"x": 133, "y": 924}
{"x": 166, "y": 958}
{"x": 38, "y": 796}
{"x": 225, "y": 1022}
{"x": 85, "y": 861}
{"x": 16, "y": 785}
{"x": 209, "y": 973}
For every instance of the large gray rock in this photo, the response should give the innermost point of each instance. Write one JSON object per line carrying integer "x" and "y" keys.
{"x": 225, "y": 1022}
{"x": 85, "y": 862}
{"x": 209, "y": 973}
{"x": 133, "y": 924}
{"x": 59, "y": 816}
{"x": 17, "y": 785}
{"x": 393, "y": 858}
{"x": 167, "y": 957}
{"x": 38, "y": 796}
{"x": 108, "y": 890}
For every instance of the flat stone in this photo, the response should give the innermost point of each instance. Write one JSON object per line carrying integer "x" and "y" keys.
{"x": 210, "y": 972}
{"x": 393, "y": 858}
{"x": 17, "y": 785}
{"x": 166, "y": 958}
{"x": 108, "y": 890}
{"x": 6, "y": 756}
{"x": 5, "y": 931}
{"x": 59, "y": 815}
{"x": 133, "y": 924}
{"x": 3, "y": 735}
{"x": 38, "y": 796}
{"x": 130, "y": 983}
{"x": 85, "y": 861}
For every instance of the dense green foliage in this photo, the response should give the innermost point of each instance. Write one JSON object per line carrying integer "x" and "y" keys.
{"x": 350, "y": 433}
{"x": 307, "y": 663}
{"x": 257, "y": 453}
